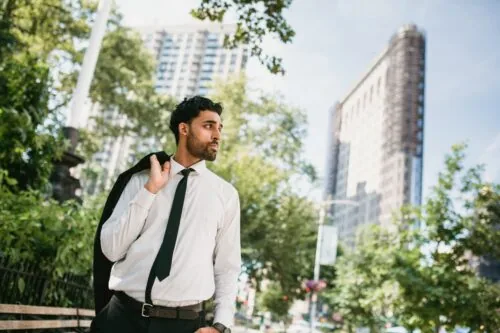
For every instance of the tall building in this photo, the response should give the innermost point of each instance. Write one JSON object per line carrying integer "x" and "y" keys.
{"x": 376, "y": 138}
{"x": 188, "y": 59}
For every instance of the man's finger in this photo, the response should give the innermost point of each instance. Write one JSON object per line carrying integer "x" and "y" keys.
{"x": 154, "y": 160}
{"x": 166, "y": 166}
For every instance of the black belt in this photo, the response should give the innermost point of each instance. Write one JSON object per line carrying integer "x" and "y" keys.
{"x": 190, "y": 312}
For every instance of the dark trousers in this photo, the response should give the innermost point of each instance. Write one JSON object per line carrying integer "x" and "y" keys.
{"x": 118, "y": 317}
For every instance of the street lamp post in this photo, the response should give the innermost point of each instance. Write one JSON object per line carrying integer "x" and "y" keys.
{"x": 64, "y": 185}
{"x": 322, "y": 213}
{"x": 77, "y": 116}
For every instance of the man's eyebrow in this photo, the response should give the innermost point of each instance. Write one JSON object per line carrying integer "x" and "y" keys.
{"x": 212, "y": 122}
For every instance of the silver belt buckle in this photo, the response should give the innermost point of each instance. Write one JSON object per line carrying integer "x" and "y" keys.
{"x": 144, "y": 307}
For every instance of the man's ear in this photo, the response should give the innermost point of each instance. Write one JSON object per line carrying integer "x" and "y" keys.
{"x": 183, "y": 129}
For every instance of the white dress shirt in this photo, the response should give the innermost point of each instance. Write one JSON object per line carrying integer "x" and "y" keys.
{"x": 207, "y": 254}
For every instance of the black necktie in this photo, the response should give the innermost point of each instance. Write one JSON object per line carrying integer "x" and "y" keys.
{"x": 163, "y": 261}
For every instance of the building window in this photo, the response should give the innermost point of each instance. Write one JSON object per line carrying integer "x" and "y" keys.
{"x": 222, "y": 59}
{"x": 211, "y": 47}
{"x": 233, "y": 59}
{"x": 213, "y": 37}
{"x": 207, "y": 67}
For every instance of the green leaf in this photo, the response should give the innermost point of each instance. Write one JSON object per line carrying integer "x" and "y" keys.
{"x": 21, "y": 285}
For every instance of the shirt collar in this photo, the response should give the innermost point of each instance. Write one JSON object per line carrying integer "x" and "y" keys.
{"x": 176, "y": 168}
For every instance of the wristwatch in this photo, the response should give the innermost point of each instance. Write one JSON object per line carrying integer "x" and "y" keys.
{"x": 221, "y": 328}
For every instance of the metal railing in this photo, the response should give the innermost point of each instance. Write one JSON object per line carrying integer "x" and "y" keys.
{"x": 27, "y": 283}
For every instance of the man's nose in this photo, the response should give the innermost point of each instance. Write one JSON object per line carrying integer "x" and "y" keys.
{"x": 216, "y": 134}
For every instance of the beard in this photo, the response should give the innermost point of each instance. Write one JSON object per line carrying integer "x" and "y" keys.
{"x": 199, "y": 149}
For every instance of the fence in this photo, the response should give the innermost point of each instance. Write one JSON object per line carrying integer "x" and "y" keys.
{"x": 26, "y": 283}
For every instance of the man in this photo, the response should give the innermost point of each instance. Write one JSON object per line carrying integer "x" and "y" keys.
{"x": 174, "y": 236}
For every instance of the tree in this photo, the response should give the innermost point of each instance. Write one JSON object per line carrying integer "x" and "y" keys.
{"x": 40, "y": 59}
{"x": 256, "y": 19}
{"x": 434, "y": 266}
{"x": 276, "y": 302}
{"x": 423, "y": 276}
{"x": 54, "y": 238}
{"x": 28, "y": 147}
{"x": 122, "y": 84}
{"x": 262, "y": 156}
{"x": 42, "y": 45}
{"x": 364, "y": 291}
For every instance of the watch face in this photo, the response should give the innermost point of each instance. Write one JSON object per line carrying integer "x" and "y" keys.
{"x": 221, "y": 328}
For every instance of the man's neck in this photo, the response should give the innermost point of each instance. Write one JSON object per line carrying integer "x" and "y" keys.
{"x": 184, "y": 158}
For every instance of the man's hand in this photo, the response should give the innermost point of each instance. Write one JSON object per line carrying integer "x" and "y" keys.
{"x": 158, "y": 175}
{"x": 207, "y": 330}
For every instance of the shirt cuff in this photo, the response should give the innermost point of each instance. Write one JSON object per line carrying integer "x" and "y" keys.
{"x": 224, "y": 316}
{"x": 144, "y": 198}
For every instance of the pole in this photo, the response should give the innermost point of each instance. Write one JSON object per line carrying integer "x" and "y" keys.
{"x": 76, "y": 118}
{"x": 314, "y": 296}
{"x": 63, "y": 183}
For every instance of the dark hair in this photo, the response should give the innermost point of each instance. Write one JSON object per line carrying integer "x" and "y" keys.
{"x": 190, "y": 108}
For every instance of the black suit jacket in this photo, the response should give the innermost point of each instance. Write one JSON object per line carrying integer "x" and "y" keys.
{"x": 102, "y": 266}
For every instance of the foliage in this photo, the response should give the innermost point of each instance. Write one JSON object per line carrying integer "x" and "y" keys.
{"x": 437, "y": 275}
{"x": 275, "y": 301}
{"x": 52, "y": 234}
{"x": 42, "y": 46}
{"x": 256, "y": 19}
{"x": 364, "y": 291}
{"x": 424, "y": 275}
{"x": 26, "y": 152}
{"x": 261, "y": 155}
{"x": 28, "y": 149}
{"x": 123, "y": 87}
{"x": 55, "y": 239}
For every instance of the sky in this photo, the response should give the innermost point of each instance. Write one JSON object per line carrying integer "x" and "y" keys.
{"x": 337, "y": 40}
